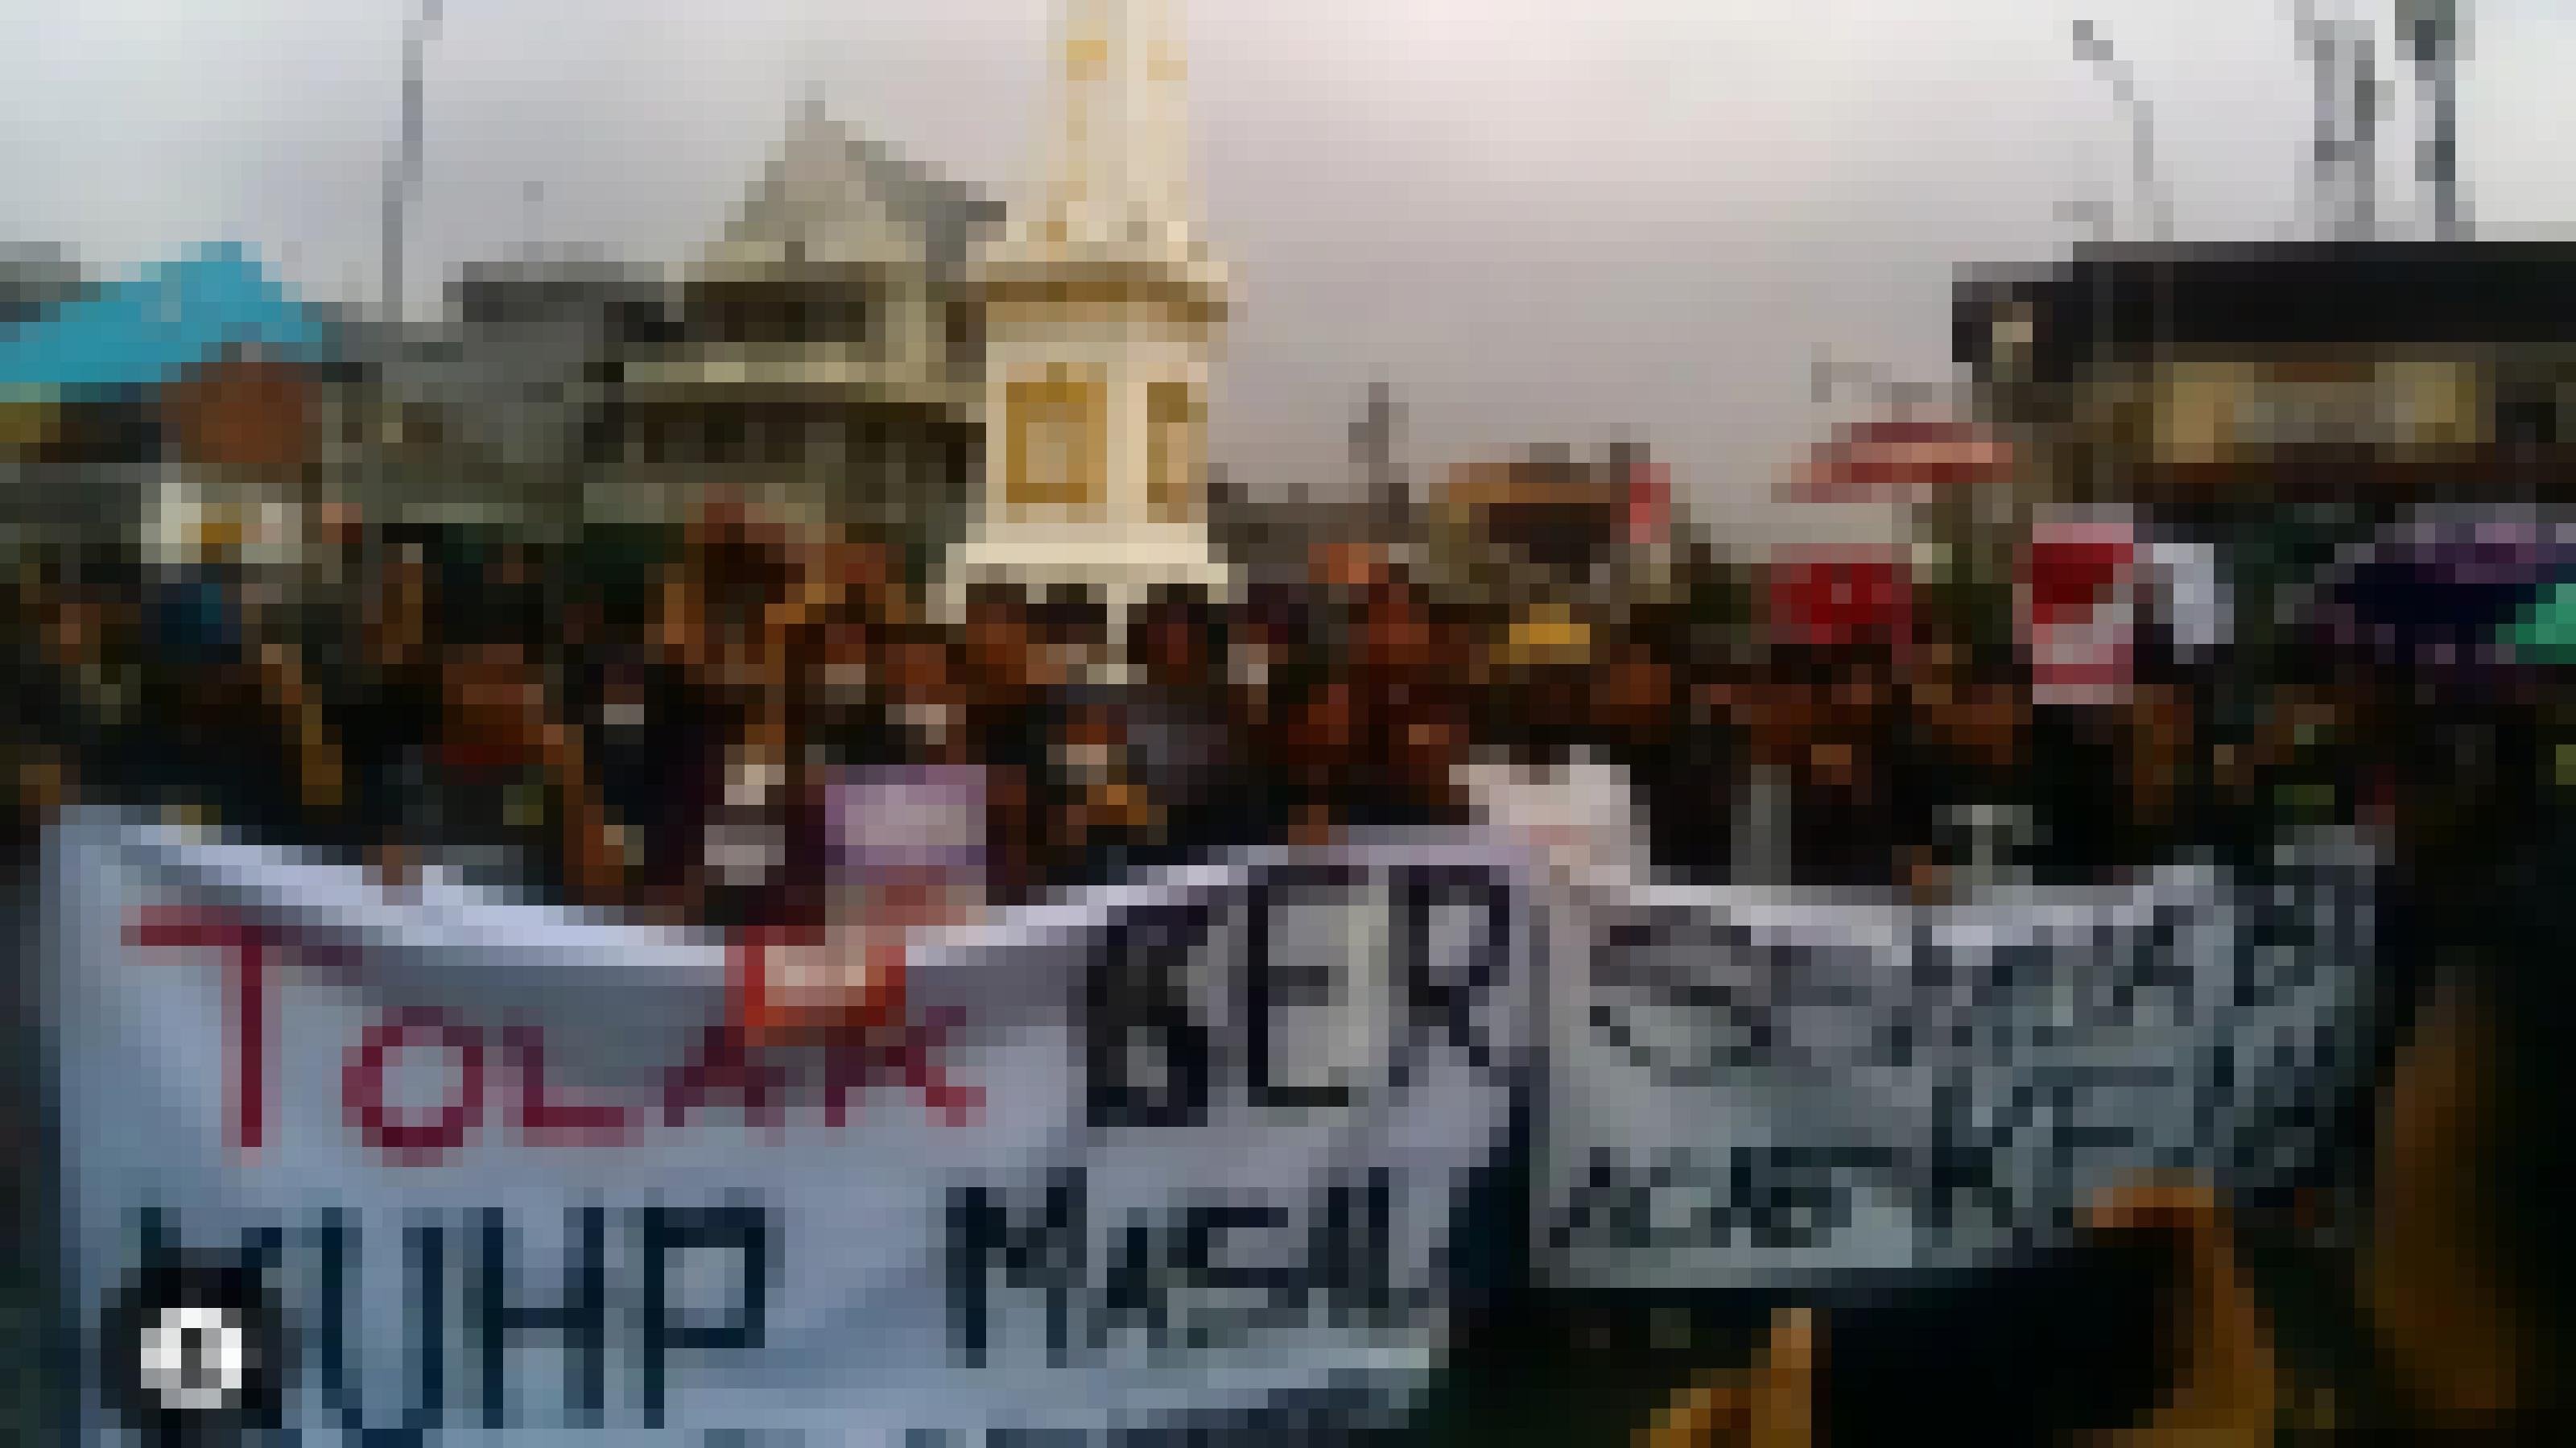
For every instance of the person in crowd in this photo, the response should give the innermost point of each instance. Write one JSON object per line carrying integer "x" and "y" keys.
{"x": 29, "y": 746}
{"x": 55, "y": 709}
{"x": 1776, "y": 711}
{"x": 706, "y": 664}
{"x": 483, "y": 786}
{"x": 1106, "y": 818}
{"x": 1840, "y": 829}
{"x": 1891, "y": 782}
{"x": 2466, "y": 1272}
{"x": 1258, "y": 659}
{"x": 847, "y": 718}
{"x": 386, "y": 707}
{"x": 476, "y": 762}
{"x": 514, "y": 797}
{"x": 1014, "y": 682}
{"x": 2302, "y": 769}
{"x": 1962, "y": 742}
{"x": 1433, "y": 719}
{"x": 1540, "y": 777}
{"x": 239, "y": 751}
{"x": 931, "y": 692}
{"x": 326, "y": 610}
{"x": 70, "y": 707}
{"x": 764, "y": 836}
{"x": 1311, "y": 725}
{"x": 1175, "y": 717}
{"x": 2157, "y": 738}
{"x": 2074, "y": 786}
{"x": 1408, "y": 724}
{"x": 980, "y": 703}
{"x": 1680, "y": 754}
{"x": 633, "y": 789}
{"x": 1304, "y": 715}
{"x": 2189, "y": 1358}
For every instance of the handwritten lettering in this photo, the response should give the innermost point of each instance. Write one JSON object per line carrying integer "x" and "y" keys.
{"x": 1153, "y": 1040}
{"x": 724, "y": 1075}
{"x": 1764, "y": 1198}
{"x": 1210, "y": 1274}
{"x": 469, "y": 1256}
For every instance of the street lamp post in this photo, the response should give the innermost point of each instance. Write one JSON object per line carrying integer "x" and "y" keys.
{"x": 2094, "y": 48}
{"x": 2431, "y": 30}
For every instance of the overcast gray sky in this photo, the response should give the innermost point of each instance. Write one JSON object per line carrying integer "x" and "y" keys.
{"x": 1543, "y": 219}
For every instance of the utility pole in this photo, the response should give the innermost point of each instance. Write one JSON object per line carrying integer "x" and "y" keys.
{"x": 404, "y": 178}
{"x": 2092, "y": 46}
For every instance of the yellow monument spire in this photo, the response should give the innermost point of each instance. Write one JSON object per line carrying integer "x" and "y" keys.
{"x": 1116, "y": 176}
{"x": 1101, "y": 309}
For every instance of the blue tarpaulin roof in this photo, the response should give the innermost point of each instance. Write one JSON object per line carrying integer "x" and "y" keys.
{"x": 144, "y": 332}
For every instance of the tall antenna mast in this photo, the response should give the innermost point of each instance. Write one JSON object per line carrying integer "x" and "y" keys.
{"x": 2316, "y": 38}
{"x": 2344, "y": 157}
{"x": 2363, "y": 161}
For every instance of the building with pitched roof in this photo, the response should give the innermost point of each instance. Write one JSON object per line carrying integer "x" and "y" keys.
{"x": 827, "y": 354}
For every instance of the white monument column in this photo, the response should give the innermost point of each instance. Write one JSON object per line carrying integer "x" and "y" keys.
{"x": 1098, "y": 290}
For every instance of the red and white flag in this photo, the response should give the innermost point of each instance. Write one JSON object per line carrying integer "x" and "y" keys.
{"x": 2078, "y": 600}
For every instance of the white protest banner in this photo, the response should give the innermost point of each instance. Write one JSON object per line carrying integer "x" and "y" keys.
{"x": 505, "y": 1179}
{"x": 1762, "y": 1089}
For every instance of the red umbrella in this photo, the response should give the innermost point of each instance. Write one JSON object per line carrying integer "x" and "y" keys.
{"x": 1902, "y": 455}
{"x": 1831, "y": 597}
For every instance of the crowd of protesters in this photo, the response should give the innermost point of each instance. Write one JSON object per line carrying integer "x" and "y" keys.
{"x": 662, "y": 748}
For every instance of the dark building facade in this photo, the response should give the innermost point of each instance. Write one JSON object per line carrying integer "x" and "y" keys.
{"x": 2281, "y": 401}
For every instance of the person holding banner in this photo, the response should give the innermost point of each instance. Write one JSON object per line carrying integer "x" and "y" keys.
{"x": 2189, "y": 1351}
{"x": 1843, "y": 817}
{"x": 1684, "y": 751}
{"x": 1106, "y": 817}
{"x": 1174, "y": 718}
{"x": 2466, "y": 1274}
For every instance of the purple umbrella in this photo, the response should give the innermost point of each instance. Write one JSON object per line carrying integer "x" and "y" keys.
{"x": 2445, "y": 593}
